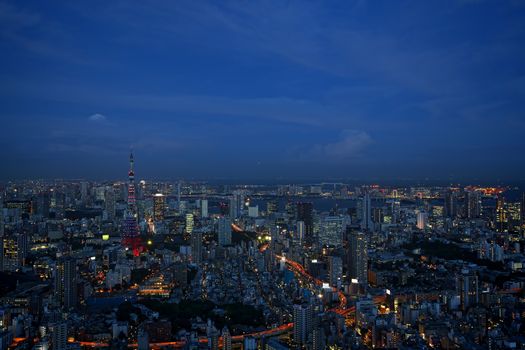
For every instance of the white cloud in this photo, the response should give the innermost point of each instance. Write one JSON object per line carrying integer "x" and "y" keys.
{"x": 351, "y": 144}
{"x": 97, "y": 117}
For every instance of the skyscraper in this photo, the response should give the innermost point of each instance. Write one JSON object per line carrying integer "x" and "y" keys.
{"x": 335, "y": 270}
{"x": 366, "y": 216}
{"x": 522, "y": 210}
{"x": 468, "y": 289}
{"x": 226, "y": 339}
{"x": 14, "y": 251}
{"x": 501, "y": 215}
{"x": 109, "y": 202}
{"x": 189, "y": 224}
{"x": 300, "y": 231}
{"x": 224, "y": 231}
{"x": 204, "y": 208}
{"x": 159, "y": 205}
{"x": 305, "y": 214}
{"x": 236, "y": 204}
{"x": 331, "y": 231}
{"x": 196, "y": 247}
{"x": 357, "y": 257}
{"x": 66, "y": 282}
{"x": 58, "y": 335}
{"x": 302, "y": 323}
{"x": 472, "y": 204}
{"x": 130, "y": 232}
{"x": 450, "y": 204}
{"x": 422, "y": 218}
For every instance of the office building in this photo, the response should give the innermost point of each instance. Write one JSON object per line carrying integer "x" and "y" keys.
{"x": 472, "y": 204}
{"x": 331, "y": 231}
{"x": 501, "y": 215}
{"x": 305, "y": 214}
{"x": 58, "y": 332}
{"x": 335, "y": 270}
{"x": 14, "y": 249}
{"x": 204, "y": 208}
{"x": 467, "y": 288}
{"x": 226, "y": 339}
{"x": 450, "y": 205}
{"x": 189, "y": 224}
{"x": 159, "y": 206}
{"x": 366, "y": 215}
{"x": 357, "y": 257}
{"x": 66, "y": 282}
{"x": 422, "y": 220}
{"x": 302, "y": 323}
{"x": 224, "y": 231}
{"x": 196, "y": 247}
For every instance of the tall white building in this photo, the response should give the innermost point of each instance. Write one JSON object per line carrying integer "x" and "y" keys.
{"x": 422, "y": 219}
{"x": 300, "y": 231}
{"x": 204, "y": 208}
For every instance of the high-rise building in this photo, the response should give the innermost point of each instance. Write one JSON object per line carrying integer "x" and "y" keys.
{"x": 522, "y": 211}
{"x": 302, "y": 323}
{"x": 331, "y": 231}
{"x": 109, "y": 202}
{"x": 14, "y": 251}
{"x": 159, "y": 205}
{"x": 226, "y": 339}
{"x": 450, "y": 207}
{"x": 43, "y": 202}
{"x": 422, "y": 219}
{"x": 196, "y": 247}
{"x": 236, "y": 204}
{"x": 366, "y": 216}
{"x": 271, "y": 207}
{"x": 224, "y": 231}
{"x": 335, "y": 271}
{"x": 305, "y": 214}
{"x": 66, "y": 282}
{"x": 357, "y": 257}
{"x": 204, "y": 208}
{"x": 189, "y": 223}
{"x": 253, "y": 212}
{"x": 300, "y": 231}
{"x": 143, "y": 340}
{"x": 58, "y": 332}
{"x": 501, "y": 215}
{"x": 130, "y": 232}
{"x": 468, "y": 289}
{"x": 472, "y": 204}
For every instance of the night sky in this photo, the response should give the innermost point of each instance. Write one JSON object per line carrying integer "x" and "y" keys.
{"x": 263, "y": 90}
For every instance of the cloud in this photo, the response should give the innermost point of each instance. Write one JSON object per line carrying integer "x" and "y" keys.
{"x": 97, "y": 117}
{"x": 351, "y": 144}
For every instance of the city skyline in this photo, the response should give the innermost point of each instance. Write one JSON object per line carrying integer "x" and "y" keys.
{"x": 355, "y": 90}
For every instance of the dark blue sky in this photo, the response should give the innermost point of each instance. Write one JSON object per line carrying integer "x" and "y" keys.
{"x": 353, "y": 89}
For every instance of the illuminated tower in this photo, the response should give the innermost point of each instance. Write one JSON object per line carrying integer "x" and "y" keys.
{"x": 130, "y": 231}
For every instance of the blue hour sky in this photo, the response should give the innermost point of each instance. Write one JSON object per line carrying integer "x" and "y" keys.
{"x": 263, "y": 90}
